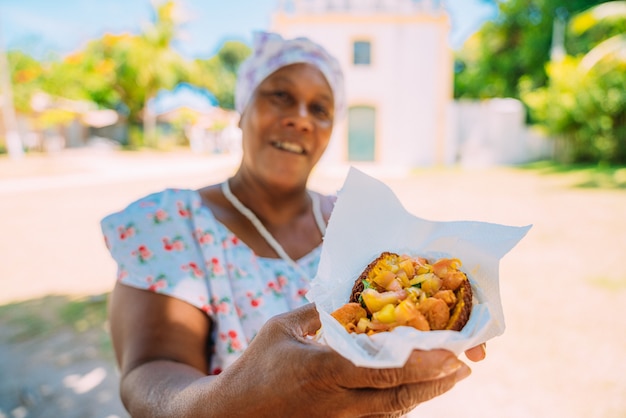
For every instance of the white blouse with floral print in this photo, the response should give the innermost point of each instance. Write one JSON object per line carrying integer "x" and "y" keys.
{"x": 169, "y": 243}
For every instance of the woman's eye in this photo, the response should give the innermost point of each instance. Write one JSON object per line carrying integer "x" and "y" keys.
{"x": 280, "y": 95}
{"x": 320, "y": 111}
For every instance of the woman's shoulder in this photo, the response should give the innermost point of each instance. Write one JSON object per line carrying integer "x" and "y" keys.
{"x": 327, "y": 204}
{"x": 160, "y": 205}
{"x": 167, "y": 212}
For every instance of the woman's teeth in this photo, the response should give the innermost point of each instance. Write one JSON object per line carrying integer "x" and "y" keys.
{"x": 289, "y": 146}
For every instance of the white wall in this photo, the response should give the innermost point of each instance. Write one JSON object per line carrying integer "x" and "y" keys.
{"x": 409, "y": 81}
{"x": 493, "y": 132}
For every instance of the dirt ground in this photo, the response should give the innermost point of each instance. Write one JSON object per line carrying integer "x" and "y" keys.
{"x": 563, "y": 287}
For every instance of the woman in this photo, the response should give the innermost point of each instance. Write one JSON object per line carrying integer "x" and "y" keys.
{"x": 208, "y": 317}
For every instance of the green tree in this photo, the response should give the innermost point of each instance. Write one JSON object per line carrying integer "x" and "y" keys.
{"x": 511, "y": 49}
{"x": 584, "y": 103}
{"x": 26, "y": 77}
{"x": 122, "y": 72}
{"x": 219, "y": 73}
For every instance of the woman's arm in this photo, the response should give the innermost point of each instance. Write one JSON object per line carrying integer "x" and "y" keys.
{"x": 161, "y": 347}
{"x": 160, "y": 343}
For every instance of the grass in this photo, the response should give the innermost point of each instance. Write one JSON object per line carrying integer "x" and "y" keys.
{"x": 39, "y": 318}
{"x": 587, "y": 176}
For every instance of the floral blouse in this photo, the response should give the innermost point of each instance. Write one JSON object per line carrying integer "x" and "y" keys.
{"x": 169, "y": 243}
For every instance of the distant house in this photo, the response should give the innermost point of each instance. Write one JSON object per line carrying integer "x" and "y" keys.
{"x": 207, "y": 127}
{"x": 398, "y": 69}
{"x": 184, "y": 95}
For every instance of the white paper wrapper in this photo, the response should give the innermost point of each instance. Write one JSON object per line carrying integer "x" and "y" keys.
{"x": 368, "y": 219}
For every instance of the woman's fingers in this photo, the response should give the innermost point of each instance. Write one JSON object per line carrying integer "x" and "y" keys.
{"x": 425, "y": 375}
{"x": 317, "y": 375}
{"x": 420, "y": 367}
{"x": 477, "y": 353}
{"x": 404, "y": 398}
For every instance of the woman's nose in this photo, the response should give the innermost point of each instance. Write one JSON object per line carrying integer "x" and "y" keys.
{"x": 299, "y": 117}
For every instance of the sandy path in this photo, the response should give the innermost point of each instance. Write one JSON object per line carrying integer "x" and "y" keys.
{"x": 563, "y": 287}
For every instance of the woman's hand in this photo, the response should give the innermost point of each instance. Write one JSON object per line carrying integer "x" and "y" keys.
{"x": 283, "y": 373}
{"x": 160, "y": 343}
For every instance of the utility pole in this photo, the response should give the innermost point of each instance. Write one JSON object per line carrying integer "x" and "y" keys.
{"x": 557, "y": 49}
{"x": 11, "y": 134}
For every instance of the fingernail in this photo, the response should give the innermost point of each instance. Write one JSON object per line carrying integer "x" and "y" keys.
{"x": 463, "y": 372}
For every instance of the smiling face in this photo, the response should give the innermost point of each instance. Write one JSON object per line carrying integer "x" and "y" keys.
{"x": 287, "y": 125}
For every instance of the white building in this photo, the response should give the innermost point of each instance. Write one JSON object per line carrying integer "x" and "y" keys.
{"x": 398, "y": 70}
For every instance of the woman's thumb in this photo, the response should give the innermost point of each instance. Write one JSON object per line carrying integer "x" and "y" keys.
{"x": 304, "y": 320}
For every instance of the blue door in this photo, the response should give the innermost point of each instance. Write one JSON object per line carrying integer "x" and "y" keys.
{"x": 361, "y": 133}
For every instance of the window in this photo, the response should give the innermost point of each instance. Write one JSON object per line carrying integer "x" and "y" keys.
{"x": 362, "y": 53}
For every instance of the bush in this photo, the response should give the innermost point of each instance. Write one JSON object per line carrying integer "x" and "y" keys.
{"x": 585, "y": 107}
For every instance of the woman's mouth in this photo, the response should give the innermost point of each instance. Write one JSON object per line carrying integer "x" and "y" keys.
{"x": 289, "y": 147}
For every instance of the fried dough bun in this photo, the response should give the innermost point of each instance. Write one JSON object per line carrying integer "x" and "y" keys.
{"x": 399, "y": 290}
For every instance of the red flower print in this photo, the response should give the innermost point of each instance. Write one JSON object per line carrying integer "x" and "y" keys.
{"x": 235, "y": 344}
{"x": 142, "y": 253}
{"x": 217, "y": 266}
{"x": 282, "y": 281}
{"x": 216, "y": 370}
{"x": 176, "y": 244}
{"x": 204, "y": 237}
{"x": 159, "y": 216}
{"x": 234, "y": 240}
{"x": 126, "y": 231}
{"x": 206, "y": 307}
{"x": 122, "y": 274}
{"x": 276, "y": 287}
{"x": 236, "y": 271}
{"x": 302, "y": 292}
{"x": 183, "y": 211}
{"x": 221, "y": 305}
{"x": 146, "y": 204}
{"x": 158, "y": 284}
{"x": 255, "y": 300}
{"x": 233, "y": 341}
{"x": 195, "y": 269}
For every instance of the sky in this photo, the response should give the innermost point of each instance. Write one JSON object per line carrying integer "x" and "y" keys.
{"x": 42, "y": 27}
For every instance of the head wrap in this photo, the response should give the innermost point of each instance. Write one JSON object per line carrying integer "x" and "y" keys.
{"x": 271, "y": 52}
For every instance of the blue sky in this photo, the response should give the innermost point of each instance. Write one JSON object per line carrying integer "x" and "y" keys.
{"x": 41, "y": 27}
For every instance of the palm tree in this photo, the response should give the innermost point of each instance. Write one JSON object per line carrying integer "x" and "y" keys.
{"x": 614, "y": 46}
{"x": 159, "y": 66}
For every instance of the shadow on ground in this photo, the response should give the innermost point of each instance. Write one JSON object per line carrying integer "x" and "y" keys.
{"x": 56, "y": 359}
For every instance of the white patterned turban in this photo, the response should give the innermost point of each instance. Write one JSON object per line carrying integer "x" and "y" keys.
{"x": 271, "y": 52}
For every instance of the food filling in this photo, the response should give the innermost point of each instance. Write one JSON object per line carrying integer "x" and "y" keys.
{"x": 400, "y": 290}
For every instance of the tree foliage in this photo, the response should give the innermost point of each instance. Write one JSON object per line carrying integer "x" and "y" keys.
{"x": 219, "y": 73}
{"x": 511, "y": 49}
{"x": 584, "y": 103}
{"x": 124, "y": 71}
{"x": 26, "y": 72}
